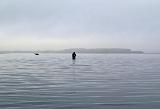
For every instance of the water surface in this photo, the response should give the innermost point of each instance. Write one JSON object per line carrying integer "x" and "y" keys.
{"x": 92, "y": 81}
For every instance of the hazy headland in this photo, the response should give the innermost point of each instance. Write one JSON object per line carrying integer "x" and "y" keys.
{"x": 83, "y": 50}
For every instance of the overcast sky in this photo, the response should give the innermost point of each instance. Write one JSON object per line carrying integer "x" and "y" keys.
{"x": 58, "y": 24}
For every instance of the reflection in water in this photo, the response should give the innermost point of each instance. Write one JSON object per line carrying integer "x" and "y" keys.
{"x": 73, "y": 61}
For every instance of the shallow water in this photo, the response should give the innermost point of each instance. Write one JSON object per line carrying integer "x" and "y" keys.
{"x": 92, "y": 81}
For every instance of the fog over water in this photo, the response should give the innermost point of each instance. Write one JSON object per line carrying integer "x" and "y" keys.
{"x": 58, "y": 24}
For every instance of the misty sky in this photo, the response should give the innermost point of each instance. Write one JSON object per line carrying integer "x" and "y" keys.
{"x": 58, "y": 24}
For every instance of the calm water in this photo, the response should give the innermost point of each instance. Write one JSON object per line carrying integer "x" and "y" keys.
{"x": 54, "y": 81}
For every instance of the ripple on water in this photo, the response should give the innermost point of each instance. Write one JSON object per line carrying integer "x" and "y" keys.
{"x": 90, "y": 82}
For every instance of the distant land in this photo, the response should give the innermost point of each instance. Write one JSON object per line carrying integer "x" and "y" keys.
{"x": 84, "y": 50}
{"x": 101, "y": 50}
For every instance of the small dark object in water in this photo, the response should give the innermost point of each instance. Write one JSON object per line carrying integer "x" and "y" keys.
{"x": 36, "y": 53}
{"x": 73, "y": 55}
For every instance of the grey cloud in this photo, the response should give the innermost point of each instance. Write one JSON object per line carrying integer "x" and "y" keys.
{"x": 136, "y": 20}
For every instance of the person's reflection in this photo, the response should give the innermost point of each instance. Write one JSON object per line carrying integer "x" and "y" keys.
{"x": 73, "y": 62}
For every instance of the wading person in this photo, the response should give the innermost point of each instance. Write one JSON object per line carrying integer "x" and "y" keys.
{"x": 73, "y": 55}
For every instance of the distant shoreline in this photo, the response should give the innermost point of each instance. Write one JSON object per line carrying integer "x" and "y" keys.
{"x": 70, "y": 53}
{"x": 84, "y": 51}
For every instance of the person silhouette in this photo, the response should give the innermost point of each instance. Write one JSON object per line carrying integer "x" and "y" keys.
{"x": 73, "y": 55}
